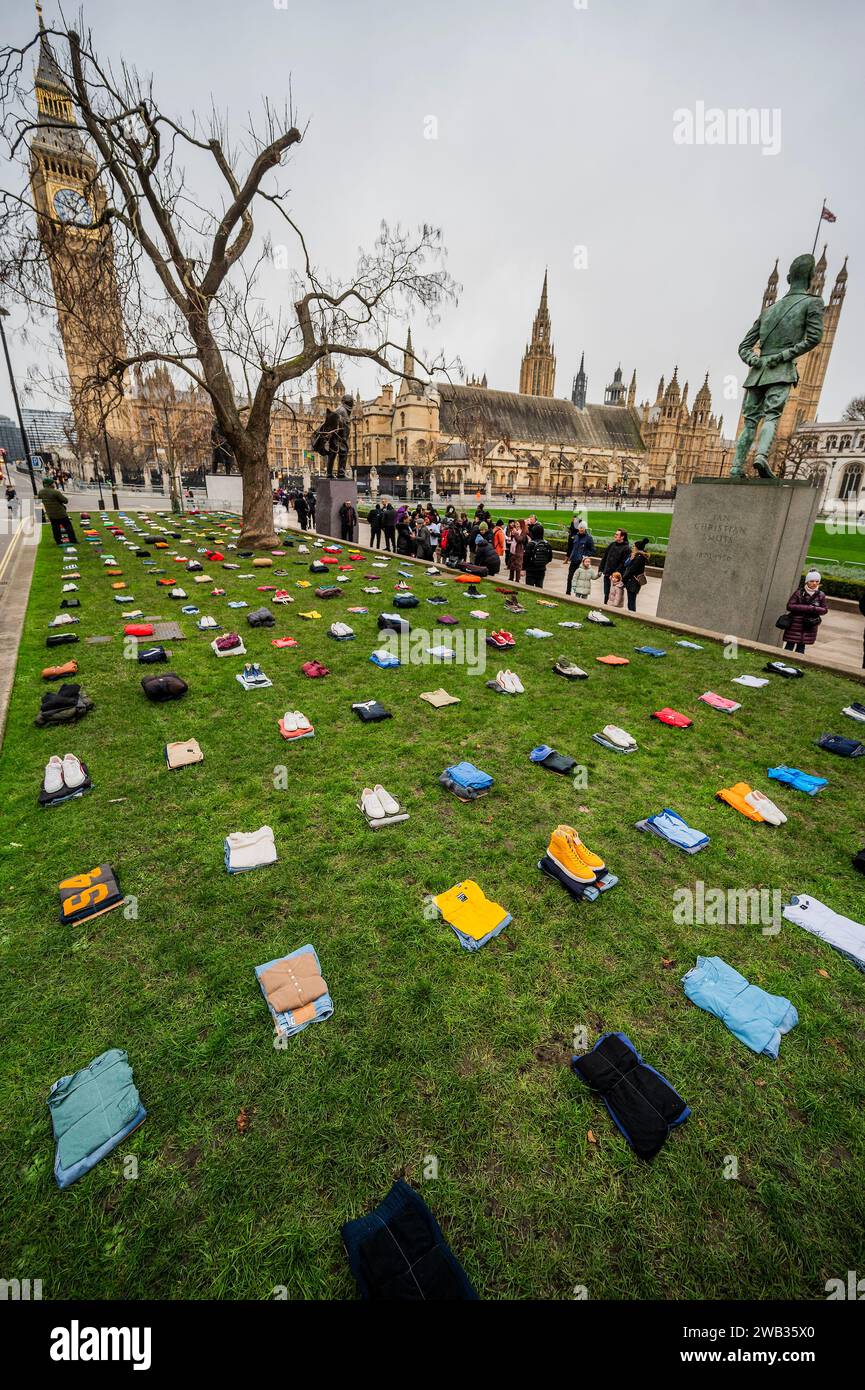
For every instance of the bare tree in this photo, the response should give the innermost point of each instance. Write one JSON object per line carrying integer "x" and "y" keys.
{"x": 161, "y": 275}
{"x": 855, "y": 410}
{"x": 799, "y": 457}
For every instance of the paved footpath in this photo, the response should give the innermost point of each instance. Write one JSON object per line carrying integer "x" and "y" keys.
{"x": 841, "y": 632}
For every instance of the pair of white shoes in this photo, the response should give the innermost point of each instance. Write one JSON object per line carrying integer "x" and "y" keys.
{"x": 510, "y": 683}
{"x": 69, "y": 588}
{"x": 620, "y": 737}
{"x": 341, "y": 631}
{"x": 63, "y": 772}
{"x": 295, "y": 722}
{"x": 758, "y": 801}
{"x": 378, "y": 803}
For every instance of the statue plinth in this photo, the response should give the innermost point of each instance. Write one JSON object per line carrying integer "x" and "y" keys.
{"x": 330, "y": 493}
{"x": 736, "y": 553}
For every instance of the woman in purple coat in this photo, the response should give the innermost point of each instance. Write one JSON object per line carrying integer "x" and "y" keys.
{"x": 808, "y": 606}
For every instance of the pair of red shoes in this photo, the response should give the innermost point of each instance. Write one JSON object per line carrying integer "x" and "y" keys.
{"x": 501, "y": 639}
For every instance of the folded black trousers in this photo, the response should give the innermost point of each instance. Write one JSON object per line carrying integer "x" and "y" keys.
{"x": 640, "y": 1100}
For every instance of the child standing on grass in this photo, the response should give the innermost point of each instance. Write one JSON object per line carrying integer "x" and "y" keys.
{"x": 582, "y": 582}
{"x": 617, "y": 591}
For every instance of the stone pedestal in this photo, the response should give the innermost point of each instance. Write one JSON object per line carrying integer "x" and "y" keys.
{"x": 736, "y": 553}
{"x": 330, "y": 494}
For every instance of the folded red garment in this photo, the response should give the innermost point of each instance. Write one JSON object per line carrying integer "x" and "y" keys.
{"x": 672, "y": 716}
{"x": 214, "y": 555}
{"x": 138, "y": 630}
{"x": 283, "y": 641}
{"x": 314, "y": 669}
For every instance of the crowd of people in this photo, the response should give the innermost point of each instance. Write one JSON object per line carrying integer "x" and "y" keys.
{"x": 303, "y": 503}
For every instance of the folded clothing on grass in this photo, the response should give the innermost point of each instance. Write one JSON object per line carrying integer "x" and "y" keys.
{"x": 253, "y": 849}
{"x": 550, "y": 759}
{"x": 398, "y": 1253}
{"x": 466, "y": 780}
{"x": 294, "y": 991}
{"x": 65, "y": 705}
{"x": 89, "y": 895}
{"x": 641, "y": 1102}
{"x": 781, "y": 668}
{"x": 815, "y": 917}
{"x": 757, "y": 1019}
{"x": 669, "y": 825}
{"x": 673, "y": 718}
{"x": 183, "y": 754}
{"x": 92, "y": 1111}
{"x": 844, "y": 747}
{"x": 472, "y": 917}
{"x": 438, "y": 698}
{"x": 371, "y": 711}
{"x": 169, "y": 686}
{"x": 720, "y": 702}
{"x": 799, "y": 781}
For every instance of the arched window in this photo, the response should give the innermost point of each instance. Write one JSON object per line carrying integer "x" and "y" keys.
{"x": 846, "y": 441}
{"x": 831, "y": 442}
{"x": 851, "y": 481}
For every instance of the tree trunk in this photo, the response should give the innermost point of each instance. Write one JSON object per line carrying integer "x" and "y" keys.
{"x": 257, "y": 529}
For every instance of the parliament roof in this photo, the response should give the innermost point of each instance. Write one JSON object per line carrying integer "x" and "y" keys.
{"x": 537, "y": 420}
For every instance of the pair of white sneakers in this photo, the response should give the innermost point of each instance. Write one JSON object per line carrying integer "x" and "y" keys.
{"x": 758, "y": 801}
{"x": 510, "y": 683}
{"x": 295, "y": 722}
{"x": 378, "y": 803}
{"x": 620, "y": 737}
{"x": 63, "y": 772}
{"x": 341, "y": 631}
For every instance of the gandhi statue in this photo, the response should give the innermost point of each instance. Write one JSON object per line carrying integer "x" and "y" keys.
{"x": 787, "y": 329}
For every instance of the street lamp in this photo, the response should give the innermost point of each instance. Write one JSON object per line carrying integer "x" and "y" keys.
{"x": 4, "y": 314}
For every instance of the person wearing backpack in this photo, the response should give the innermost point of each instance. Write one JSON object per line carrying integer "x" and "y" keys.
{"x": 537, "y": 556}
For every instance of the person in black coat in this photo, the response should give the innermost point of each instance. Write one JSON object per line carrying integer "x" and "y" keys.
{"x": 388, "y": 526}
{"x": 374, "y": 519}
{"x": 615, "y": 557}
{"x": 633, "y": 568}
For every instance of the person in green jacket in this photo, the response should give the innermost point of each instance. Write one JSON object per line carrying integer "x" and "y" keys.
{"x": 55, "y": 509}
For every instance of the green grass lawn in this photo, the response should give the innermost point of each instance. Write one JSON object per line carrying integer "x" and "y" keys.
{"x": 431, "y": 1051}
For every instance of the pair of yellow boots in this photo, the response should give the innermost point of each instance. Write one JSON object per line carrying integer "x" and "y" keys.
{"x": 568, "y": 850}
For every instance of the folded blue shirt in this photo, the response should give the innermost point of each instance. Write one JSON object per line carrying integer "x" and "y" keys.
{"x": 384, "y": 659}
{"x": 756, "y": 1018}
{"x": 467, "y": 775}
{"x": 673, "y": 828}
{"x": 801, "y": 781}
{"x": 651, "y": 651}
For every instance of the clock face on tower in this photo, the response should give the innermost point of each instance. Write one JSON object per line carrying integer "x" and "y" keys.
{"x": 72, "y": 206}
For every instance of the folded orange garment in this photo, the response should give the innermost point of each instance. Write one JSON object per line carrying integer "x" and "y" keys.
{"x": 613, "y": 660}
{"x": 56, "y": 673}
{"x": 735, "y": 797}
{"x": 290, "y": 984}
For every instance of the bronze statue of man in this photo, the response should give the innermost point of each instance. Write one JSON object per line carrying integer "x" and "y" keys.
{"x": 331, "y": 438}
{"x": 787, "y": 329}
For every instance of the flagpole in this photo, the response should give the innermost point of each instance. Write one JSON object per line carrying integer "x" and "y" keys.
{"x": 819, "y": 225}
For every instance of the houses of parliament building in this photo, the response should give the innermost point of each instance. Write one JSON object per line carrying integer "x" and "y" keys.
{"x": 415, "y": 436}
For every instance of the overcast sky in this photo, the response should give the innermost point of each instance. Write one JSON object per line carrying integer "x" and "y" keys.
{"x": 555, "y": 131}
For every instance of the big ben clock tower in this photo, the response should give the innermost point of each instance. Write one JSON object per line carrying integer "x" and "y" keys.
{"x": 69, "y": 201}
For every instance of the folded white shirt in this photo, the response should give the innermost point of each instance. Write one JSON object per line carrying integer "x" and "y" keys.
{"x": 250, "y": 849}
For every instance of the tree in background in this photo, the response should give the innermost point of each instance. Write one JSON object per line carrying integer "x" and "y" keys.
{"x": 186, "y": 276}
